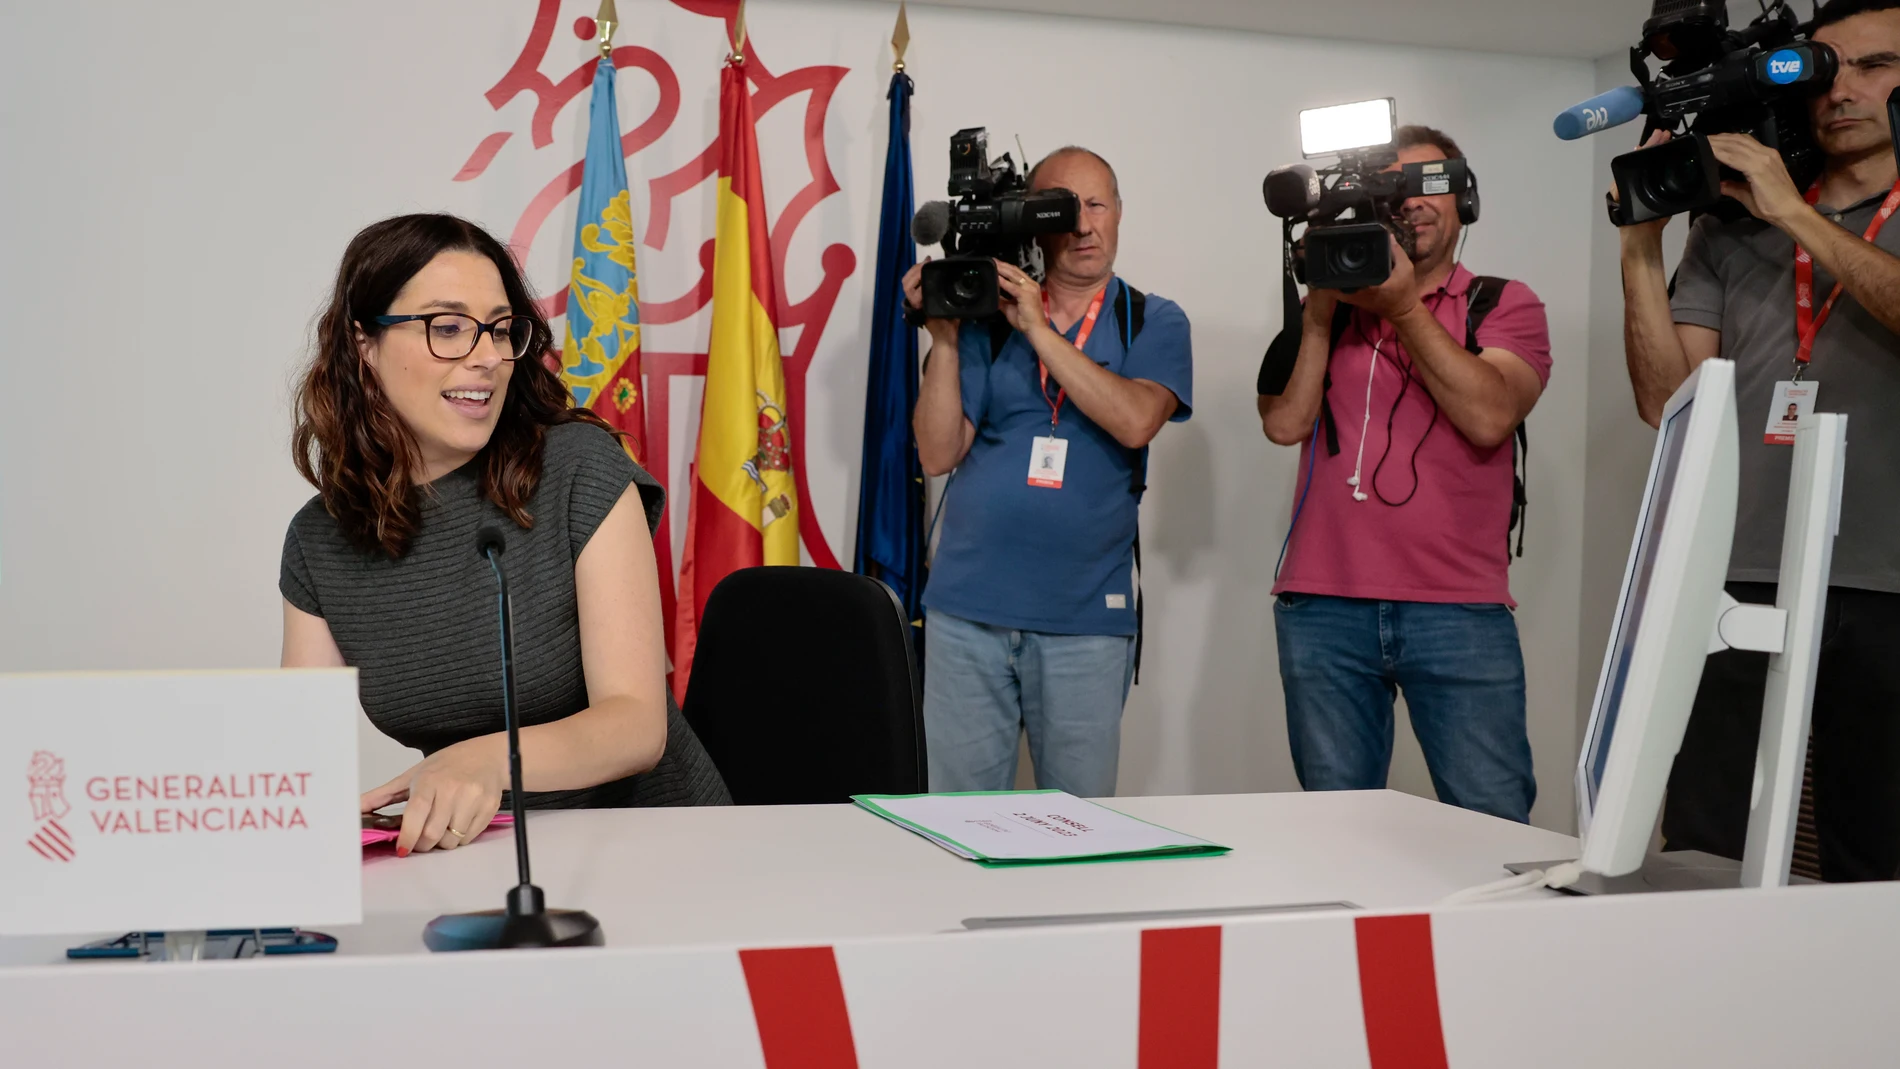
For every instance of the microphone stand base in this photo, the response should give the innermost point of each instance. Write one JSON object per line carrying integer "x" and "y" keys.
{"x": 497, "y": 929}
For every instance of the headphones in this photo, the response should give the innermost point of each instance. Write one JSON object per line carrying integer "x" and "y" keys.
{"x": 1468, "y": 203}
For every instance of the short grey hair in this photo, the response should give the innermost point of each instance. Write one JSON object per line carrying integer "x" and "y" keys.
{"x": 1114, "y": 183}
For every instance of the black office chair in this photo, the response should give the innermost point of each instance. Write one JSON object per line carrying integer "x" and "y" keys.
{"x": 805, "y": 688}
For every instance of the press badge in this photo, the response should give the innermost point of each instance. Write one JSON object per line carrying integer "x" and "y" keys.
{"x": 1047, "y": 457}
{"x": 1793, "y": 403}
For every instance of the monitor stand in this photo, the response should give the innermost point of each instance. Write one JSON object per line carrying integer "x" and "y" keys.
{"x": 1676, "y": 870}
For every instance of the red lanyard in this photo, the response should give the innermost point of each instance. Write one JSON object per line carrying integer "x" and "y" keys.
{"x": 1081, "y": 339}
{"x": 1807, "y": 321}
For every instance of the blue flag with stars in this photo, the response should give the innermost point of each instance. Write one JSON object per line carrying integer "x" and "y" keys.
{"x": 891, "y": 500}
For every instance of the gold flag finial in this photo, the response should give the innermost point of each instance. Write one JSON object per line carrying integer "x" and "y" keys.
{"x": 738, "y": 35}
{"x": 607, "y": 20}
{"x": 900, "y": 37}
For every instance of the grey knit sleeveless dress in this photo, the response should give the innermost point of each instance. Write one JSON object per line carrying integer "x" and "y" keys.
{"x": 423, "y": 633}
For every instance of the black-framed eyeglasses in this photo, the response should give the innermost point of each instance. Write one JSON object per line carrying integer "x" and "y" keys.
{"x": 452, "y": 335}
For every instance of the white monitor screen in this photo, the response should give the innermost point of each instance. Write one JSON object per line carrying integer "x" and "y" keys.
{"x": 1344, "y": 127}
{"x": 1655, "y": 514}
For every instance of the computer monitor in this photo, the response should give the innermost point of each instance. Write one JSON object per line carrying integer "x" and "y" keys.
{"x": 1673, "y": 611}
{"x": 1665, "y": 616}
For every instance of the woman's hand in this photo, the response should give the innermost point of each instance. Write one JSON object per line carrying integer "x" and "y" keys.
{"x": 452, "y": 794}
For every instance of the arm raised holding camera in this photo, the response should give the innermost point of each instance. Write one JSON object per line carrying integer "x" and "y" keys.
{"x": 1485, "y": 396}
{"x": 1133, "y": 411}
{"x": 944, "y": 433}
{"x": 1869, "y": 274}
{"x": 1659, "y": 351}
{"x": 1289, "y": 416}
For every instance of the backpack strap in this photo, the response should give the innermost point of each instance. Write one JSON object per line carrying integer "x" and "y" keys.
{"x": 1342, "y": 321}
{"x": 1485, "y": 293}
{"x": 1131, "y": 313}
{"x": 1520, "y": 501}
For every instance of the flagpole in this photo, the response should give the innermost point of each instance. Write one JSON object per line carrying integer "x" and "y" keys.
{"x": 900, "y": 38}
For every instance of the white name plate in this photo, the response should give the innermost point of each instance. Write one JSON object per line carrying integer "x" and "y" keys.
{"x": 178, "y": 800}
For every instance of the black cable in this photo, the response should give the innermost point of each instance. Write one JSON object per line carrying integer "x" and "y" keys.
{"x": 1405, "y": 383}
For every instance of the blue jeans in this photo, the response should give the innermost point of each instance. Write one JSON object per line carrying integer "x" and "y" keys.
{"x": 984, "y": 686}
{"x": 1343, "y": 660}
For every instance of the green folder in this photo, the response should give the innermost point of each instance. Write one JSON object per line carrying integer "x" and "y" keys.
{"x": 1011, "y": 828}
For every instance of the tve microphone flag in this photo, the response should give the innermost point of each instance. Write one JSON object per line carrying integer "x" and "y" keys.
{"x": 891, "y": 529}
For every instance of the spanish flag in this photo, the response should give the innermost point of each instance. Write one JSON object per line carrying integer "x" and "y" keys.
{"x": 744, "y": 506}
{"x": 601, "y": 361}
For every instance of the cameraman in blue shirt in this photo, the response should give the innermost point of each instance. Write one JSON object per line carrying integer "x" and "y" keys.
{"x": 1031, "y": 604}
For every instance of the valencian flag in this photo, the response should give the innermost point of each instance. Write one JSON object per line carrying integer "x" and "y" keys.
{"x": 891, "y": 508}
{"x": 601, "y": 362}
{"x": 744, "y": 505}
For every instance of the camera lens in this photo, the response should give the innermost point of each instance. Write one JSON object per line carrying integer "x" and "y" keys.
{"x": 1351, "y": 257}
{"x": 968, "y": 284}
{"x": 1675, "y": 182}
{"x": 1680, "y": 179}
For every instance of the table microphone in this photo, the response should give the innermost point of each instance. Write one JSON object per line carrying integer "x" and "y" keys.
{"x": 526, "y": 922}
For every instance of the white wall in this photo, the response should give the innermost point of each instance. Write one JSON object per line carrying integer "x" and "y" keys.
{"x": 180, "y": 180}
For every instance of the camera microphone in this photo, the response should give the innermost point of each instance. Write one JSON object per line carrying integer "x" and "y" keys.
{"x": 931, "y": 222}
{"x": 1599, "y": 113}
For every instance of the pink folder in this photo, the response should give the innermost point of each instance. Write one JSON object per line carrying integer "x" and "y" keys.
{"x": 372, "y": 836}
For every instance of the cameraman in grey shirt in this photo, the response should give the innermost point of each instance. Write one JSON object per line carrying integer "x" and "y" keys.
{"x": 1735, "y": 297}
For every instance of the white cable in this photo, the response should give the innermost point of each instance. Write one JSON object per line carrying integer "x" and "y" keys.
{"x": 1365, "y": 424}
{"x": 1556, "y": 877}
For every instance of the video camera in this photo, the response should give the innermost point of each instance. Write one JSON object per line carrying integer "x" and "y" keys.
{"x": 1351, "y": 210}
{"x": 1756, "y": 80}
{"x": 994, "y": 217}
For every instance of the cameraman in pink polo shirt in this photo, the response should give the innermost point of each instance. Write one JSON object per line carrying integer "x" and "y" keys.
{"x": 1395, "y": 576}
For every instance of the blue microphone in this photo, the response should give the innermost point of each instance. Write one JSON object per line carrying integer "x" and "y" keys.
{"x": 1599, "y": 113}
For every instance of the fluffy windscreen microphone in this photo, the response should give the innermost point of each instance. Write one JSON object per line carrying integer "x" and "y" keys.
{"x": 931, "y": 222}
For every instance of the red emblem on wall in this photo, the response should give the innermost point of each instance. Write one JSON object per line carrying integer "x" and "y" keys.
{"x": 809, "y": 314}
{"x": 46, "y": 793}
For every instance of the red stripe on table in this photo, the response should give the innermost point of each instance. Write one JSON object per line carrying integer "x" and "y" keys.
{"x": 798, "y": 1002}
{"x": 1398, "y": 988}
{"x": 1180, "y": 999}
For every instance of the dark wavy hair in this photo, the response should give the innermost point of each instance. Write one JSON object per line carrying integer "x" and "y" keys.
{"x": 350, "y": 443}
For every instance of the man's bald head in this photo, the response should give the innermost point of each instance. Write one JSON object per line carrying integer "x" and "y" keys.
{"x": 1086, "y": 257}
{"x": 1070, "y": 152}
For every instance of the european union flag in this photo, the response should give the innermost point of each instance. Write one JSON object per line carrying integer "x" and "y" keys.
{"x": 601, "y": 361}
{"x": 891, "y": 528}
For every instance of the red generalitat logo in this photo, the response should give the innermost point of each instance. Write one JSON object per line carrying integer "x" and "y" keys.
{"x": 809, "y": 315}
{"x": 46, "y": 792}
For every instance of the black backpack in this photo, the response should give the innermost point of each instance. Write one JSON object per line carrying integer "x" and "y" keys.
{"x": 1484, "y": 295}
{"x": 1131, "y": 312}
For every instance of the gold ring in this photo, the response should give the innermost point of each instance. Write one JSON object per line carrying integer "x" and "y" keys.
{"x": 457, "y": 834}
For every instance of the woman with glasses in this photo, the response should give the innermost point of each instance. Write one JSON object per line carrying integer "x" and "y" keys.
{"x": 426, "y": 414}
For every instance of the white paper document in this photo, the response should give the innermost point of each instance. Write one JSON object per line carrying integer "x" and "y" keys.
{"x": 1025, "y": 827}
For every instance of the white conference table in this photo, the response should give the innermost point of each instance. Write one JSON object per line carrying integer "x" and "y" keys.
{"x": 763, "y": 875}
